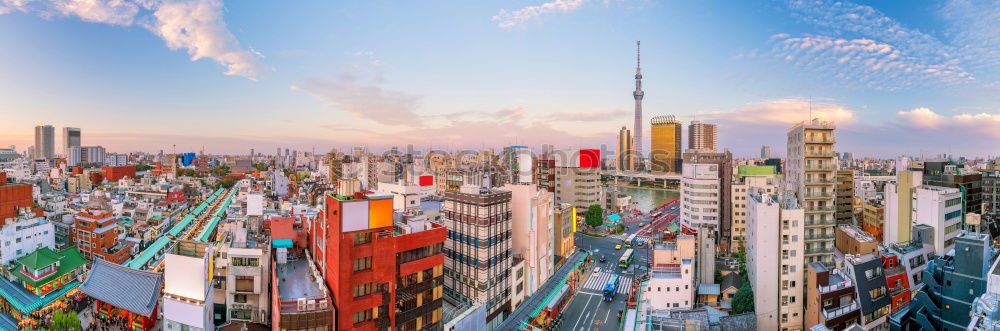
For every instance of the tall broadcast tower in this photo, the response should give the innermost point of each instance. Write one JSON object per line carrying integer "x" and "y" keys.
{"x": 637, "y": 94}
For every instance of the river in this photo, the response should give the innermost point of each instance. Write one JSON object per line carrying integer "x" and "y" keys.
{"x": 647, "y": 199}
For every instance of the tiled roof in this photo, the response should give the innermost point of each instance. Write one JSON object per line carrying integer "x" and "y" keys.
{"x": 123, "y": 287}
{"x": 69, "y": 259}
{"x": 732, "y": 279}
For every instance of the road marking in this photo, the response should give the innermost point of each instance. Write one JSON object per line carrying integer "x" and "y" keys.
{"x": 581, "y": 315}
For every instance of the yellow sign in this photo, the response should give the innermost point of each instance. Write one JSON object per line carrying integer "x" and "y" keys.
{"x": 574, "y": 219}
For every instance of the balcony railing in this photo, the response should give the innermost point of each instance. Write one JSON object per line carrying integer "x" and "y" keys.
{"x": 821, "y": 139}
{"x": 819, "y": 237}
{"x": 809, "y": 153}
{"x": 813, "y": 166}
{"x": 819, "y": 181}
{"x": 820, "y": 222}
{"x": 812, "y": 195}
{"x": 819, "y": 251}
{"x": 840, "y": 311}
{"x": 820, "y": 208}
{"x": 836, "y": 287}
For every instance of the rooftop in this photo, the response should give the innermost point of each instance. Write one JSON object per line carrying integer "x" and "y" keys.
{"x": 296, "y": 281}
{"x": 743, "y": 171}
{"x": 856, "y": 233}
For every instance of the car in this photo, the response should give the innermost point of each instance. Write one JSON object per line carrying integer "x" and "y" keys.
{"x": 639, "y": 244}
{"x": 618, "y": 247}
{"x": 602, "y": 259}
{"x": 628, "y": 245}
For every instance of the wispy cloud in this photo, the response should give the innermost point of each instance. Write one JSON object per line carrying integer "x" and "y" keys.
{"x": 196, "y": 26}
{"x": 509, "y": 19}
{"x": 368, "y": 101}
{"x": 858, "y": 46}
{"x": 579, "y": 116}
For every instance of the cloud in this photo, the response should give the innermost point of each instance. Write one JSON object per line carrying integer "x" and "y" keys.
{"x": 786, "y": 112}
{"x": 509, "y": 19}
{"x": 365, "y": 101}
{"x": 865, "y": 63}
{"x": 921, "y": 118}
{"x": 576, "y": 116}
{"x": 193, "y": 25}
{"x": 966, "y": 51}
{"x": 925, "y": 118}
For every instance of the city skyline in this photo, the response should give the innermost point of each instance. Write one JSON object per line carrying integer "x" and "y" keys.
{"x": 919, "y": 79}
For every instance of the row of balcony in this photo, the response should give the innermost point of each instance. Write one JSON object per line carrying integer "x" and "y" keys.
{"x": 819, "y": 181}
{"x": 820, "y": 139}
{"x": 820, "y": 208}
{"x": 840, "y": 311}
{"x": 819, "y": 251}
{"x": 820, "y": 153}
{"x": 819, "y": 237}
{"x": 820, "y": 222}
{"x": 813, "y": 195}
{"x": 820, "y": 166}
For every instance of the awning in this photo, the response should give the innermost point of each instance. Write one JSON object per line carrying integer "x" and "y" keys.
{"x": 560, "y": 294}
{"x": 282, "y": 243}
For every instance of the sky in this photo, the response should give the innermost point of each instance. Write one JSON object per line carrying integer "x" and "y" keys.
{"x": 915, "y": 78}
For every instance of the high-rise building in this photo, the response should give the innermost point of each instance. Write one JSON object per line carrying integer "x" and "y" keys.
{"x": 564, "y": 226}
{"x": 637, "y": 95}
{"x": 479, "y": 253}
{"x": 71, "y": 138}
{"x": 531, "y": 233}
{"x": 898, "y": 222}
{"x": 955, "y": 175}
{"x": 665, "y": 155}
{"x": 763, "y": 178}
{"x": 845, "y": 197}
{"x": 703, "y": 136}
{"x": 700, "y": 197}
{"x": 718, "y": 215}
{"x": 775, "y": 263}
{"x": 765, "y": 152}
{"x": 991, "y": 197}
{"x": 578, "y": 178}
{"x": 810, "y": 171}
{"x": 941, "y": 209}
{"x": 45, "y": 142}
{"x": 383, "y": 274}
{"x": 625, "y": 153}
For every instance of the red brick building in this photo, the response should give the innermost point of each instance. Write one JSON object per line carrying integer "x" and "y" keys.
{"x": 13, "y": 197}
{"x": 113, "y": 174}
{"x": 380, "y": 275}
{"x": 95, "y": 232}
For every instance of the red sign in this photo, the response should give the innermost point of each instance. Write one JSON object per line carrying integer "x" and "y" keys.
{"x": 590, "y": 158}
{"x": 426, "y": 180}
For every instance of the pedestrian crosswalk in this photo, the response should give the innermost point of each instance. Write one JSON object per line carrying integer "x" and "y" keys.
{"x": 643, "y": 239}
{"x": 599, "y": 278}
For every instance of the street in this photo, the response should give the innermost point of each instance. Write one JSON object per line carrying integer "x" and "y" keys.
{"x": 588, "y": 310}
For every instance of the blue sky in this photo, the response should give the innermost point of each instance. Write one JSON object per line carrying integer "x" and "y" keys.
{"x": 913, "y": 78}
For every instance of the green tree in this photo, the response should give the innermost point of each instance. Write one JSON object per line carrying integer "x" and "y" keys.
{"x": 718, "y": 276}
{"x": 743, "y": 301}
{"x": 594, "y": 216}
{"x": 220, "y": 170}
{"x": 227, "y": 182}
{"x": 66, "y": 321}
{"x": 262, "y": 167}
{"x": 143, "y": 167}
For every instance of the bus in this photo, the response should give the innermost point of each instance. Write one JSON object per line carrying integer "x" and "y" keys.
{"x": 610, "y": 288}
{"x": 626, "y": 259}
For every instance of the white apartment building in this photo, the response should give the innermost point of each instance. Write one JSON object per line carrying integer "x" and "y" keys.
{"x": 671, "y": 283}
{"x": 22, "y": 237}
{"x": 775, "y": 259}
{"x": 941, "y": 209}
{"x": 810, "y": 171}
{"x": 744, "y": 181}
{"x": 187, "y": 294}
{"x": 115, "y": 159}
{"x": 532, "y": 218}
{"x": 242, "y": 277}
{"x": 700, "y": 196}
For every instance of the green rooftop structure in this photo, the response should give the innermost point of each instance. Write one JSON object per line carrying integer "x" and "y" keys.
{"x": 743, "y": 171}
{"x": 41, "y": 278}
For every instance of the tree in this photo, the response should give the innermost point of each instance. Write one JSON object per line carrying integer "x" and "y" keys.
{"x": 262, "y": 167}
{"x": 718, "y": 276}
{"x": 594, "y": 216}
{"x": 220, "y": 170}
{"x": 743, "y": 301}
{"x": 227, "y": 182}
{"x": 143, "y": 167}
{"x": 66, "y": 321}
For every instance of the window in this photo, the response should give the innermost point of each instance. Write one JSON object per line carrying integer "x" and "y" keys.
{"x": 364, "y": 263}
{"x": 362, "y": 316}
{"x": 873, "y": 273}
{"x": 244, "y": 283}
{"x": 362, "y": 238}
{"x": 245, "y": 262}
{"x": 364, "y": 289}
{"x": 240, "y": 298}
